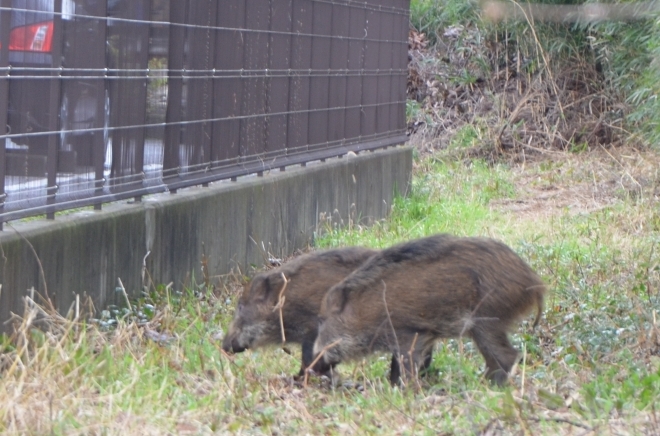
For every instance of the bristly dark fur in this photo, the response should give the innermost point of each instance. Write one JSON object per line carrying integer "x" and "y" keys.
{"x": 436, "y": 287}
{"x": 309, "y": 277}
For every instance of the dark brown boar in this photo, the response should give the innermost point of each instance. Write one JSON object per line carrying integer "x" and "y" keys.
{"x": 257, "y": 319}
{"x": 408, "y": 296}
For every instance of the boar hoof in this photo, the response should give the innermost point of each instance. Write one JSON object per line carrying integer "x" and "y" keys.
{"x": 498, "y": 377}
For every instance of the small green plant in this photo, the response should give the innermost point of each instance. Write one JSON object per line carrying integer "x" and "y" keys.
{"x": 431, "y": 17}
{"x": 414, "y": 111}
{"x": 467, "y": 136}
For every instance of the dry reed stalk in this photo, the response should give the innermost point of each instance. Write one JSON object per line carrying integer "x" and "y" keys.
{"x": 123, "y": 290}
{"x": 280, "y": 305}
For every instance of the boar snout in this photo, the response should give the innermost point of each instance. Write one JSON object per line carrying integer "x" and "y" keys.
{"x": 231, "y": 345}
{"x": 331, "y": 350}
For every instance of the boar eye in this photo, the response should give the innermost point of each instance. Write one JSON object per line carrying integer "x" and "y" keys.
{"x": 240, "y": 307}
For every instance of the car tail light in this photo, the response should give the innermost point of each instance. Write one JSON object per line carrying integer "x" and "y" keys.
{"x": 35, "y": 37}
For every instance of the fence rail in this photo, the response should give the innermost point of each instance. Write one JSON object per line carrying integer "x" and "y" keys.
{"x": 109, "y": 100}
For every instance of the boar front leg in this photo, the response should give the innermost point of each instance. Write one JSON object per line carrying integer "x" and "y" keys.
{"x": 498, "y": 352}
{"x": 395, "y": 367}
{"x": 421, "y": 355}
{"x": 321, "y": 368}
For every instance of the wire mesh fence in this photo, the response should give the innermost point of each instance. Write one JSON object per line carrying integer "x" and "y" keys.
{"x": 112, "y": 99}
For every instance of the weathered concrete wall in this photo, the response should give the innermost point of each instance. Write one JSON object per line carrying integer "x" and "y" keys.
{"x": 86, "y": 252}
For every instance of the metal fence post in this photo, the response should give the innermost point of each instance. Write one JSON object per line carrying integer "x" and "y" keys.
{"x": 54, "y": 103}
{"x": 5, "y": 20}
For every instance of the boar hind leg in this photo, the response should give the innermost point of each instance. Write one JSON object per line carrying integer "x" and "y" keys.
{"x": 497, "y": 351}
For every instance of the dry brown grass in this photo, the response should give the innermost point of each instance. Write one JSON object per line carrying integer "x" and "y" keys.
{"x": 516, "y": 100}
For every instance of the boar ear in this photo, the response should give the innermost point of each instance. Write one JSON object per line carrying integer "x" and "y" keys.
{"x": 258, "y": 289}
{"x": 264, "y": 288}
{"x": 335, "y": 300}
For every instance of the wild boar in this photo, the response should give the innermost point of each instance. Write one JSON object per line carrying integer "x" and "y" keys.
{"x": 257, "y": 319}
{"x": 408, "y": 296}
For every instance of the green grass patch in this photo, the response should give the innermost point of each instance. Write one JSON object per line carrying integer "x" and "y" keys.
{"x": 445, "y": 196}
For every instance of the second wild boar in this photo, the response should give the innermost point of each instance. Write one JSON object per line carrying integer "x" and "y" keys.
{"x": 408, "y": 296}
{"x": 256, "y": 322}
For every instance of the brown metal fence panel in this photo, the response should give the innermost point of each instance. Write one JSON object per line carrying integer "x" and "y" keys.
{"x": 227, "y": 86}
{"x": 108, "y": 100}
{"x": 301, "y": 55}
{"x": 277, "y": 79}
{"x": 319, "y": 82}
{"x": 199, "y": 52}
{"x": 128, "y": 56}
{"x": 338, "y": 76}
{"x": 255, "y": 63}
{"x": 357, "y": 31}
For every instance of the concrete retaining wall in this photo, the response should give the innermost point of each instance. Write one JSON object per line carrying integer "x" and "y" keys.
{"x": 228, "y": 222}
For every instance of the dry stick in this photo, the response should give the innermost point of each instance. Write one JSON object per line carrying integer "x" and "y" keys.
{"x": 522, "y": 422}
{"x": 649, "y": 268}
{"x": 410, "y": 353}
{"x": 145, "y": 272}
{"x": 413, "y": 367}
{"x": 564, "y": 421}
{"x": 263, "y": 251}
{"x": 530, "y": 21}
{"x": 123, "y": 289}
{"x": 314, "y": 362}
{"x": 280, "y": 304}
{"x": 524, "y": 365}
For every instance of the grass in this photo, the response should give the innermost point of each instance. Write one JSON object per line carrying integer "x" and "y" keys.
{"x": 586, "y": 219}
{"x": 592, "y": 364}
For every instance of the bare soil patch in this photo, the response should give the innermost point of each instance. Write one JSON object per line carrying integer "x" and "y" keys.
{"x": 582, "y": 183}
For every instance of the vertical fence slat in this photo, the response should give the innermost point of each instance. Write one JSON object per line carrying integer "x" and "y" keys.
{"x": 129, "y": 53}
{"x": 228, "y": 90}
{"x": 97, "y": 58}
{"x": 199, "y": 53}
{"x": 384, "y": 63}
{"x": 5, "y": 20}
{"x": 54, "y": 106}
{"x": 355, "y": 64}
{"x": 402, "y": 35}
{"x": 253, "y": 129}
{"x": 338, "y": 80}
{"x": 175, "y": 88}
{"x": 278, "y": 87}
{"x": 369, "y": 81}
{"x": 301, "y": 54}
{"x": 397, "y": 65}
{"x": 401, "y": 62}
{"x": 320, "y": 82}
